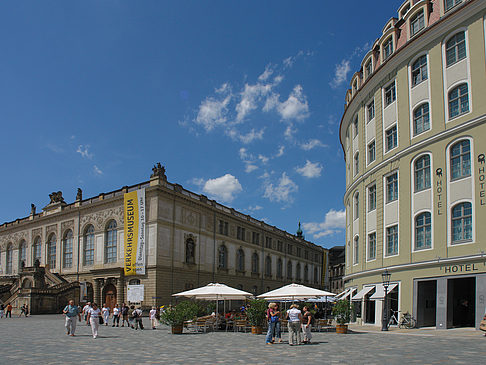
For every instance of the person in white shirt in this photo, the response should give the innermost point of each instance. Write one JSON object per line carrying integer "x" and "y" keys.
{"x": 94, "y": 319}
{"x": 153, "y": 318}
{"x": 116, "y": 316}
{"x": 105, "y": 311}
{"x": 86, "y": 309}
{"x": 294, "y": 317}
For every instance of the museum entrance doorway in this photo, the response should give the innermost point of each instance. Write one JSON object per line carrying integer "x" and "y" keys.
{"x": 110, "y": 296}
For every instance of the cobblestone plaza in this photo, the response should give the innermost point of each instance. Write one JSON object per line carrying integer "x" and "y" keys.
{"x": 42, "y": 340}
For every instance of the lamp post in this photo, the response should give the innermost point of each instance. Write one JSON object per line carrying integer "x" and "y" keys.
{"x": 386, "y": 282}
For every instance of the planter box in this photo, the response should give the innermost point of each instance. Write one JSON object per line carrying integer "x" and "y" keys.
{"x": 341, "y": 328}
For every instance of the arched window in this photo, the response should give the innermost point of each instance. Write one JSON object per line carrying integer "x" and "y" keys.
{"x": 279, "y": 268}
{"x": 460, "y": 156}
{"x": 387, "y": 48}
{"x": 316, "y": 277}
{"x": 255, "y": 267}
{"x": 134, "y": 282}
{"x": 22, "y": 254}
{"x": 423, "y": 231}
{"x": 67, "y": 249}
{"x": 268, "y": 266}
{"x": 88, "y": 252}
{"x": 306, "y": 273}
{"x": 356, "y": 163}
{"x": 417, "y": 23}
{"x": 240, "y": 260}
{"x": 51, "y": 251}
{"x": 461, "y": 223}
{"x": 289, "y": 270}
{"x": 222, "y": 257}
{"x": 356, "y": 250}
{"x": 356, "y": 206}
{"x": 458, "y": 101}
{"x": 456, "y": 48}
{"x": 190, "y": 251}
{"x": 419, "y": 70}
{"x": 422, "y": 173}
{"x": 8, "y": 267}
{"x": 297, "y": 272}
{"x": 449, "y": 4}
{"x": 421, "y": 120}
{"x": 37, "y": 250}
{"x": 110, "y": 242}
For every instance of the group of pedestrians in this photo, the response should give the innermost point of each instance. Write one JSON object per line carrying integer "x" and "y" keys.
{"x": 299, "y": 323}
{"x": 6, "y": 310}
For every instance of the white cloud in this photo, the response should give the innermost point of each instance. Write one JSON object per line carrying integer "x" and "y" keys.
{"x": 280, "y": 151}
{"x": 282, "y": 192}
{"x": 251, "y": 136}
{"x": 266, "y": 74}
{"x": 250, "y": 96}
{"x": 290, "y": 131}
{"x": 97, "y": 171}
{"x": 223, "y": 188}
{"x": 255, "y": 208}
{"x": 334, "y": 221}
{"x": 84, "y": 151}
{"x": 295, "y": 107}
{"x": 243, "y": 153}
{"x": 213, "y": 112}
{"x": 310, "y": 169}
{"x": 340, "y": 73}
{"x": 307, "y": 146}
{"x": 263, "y": 159}
{"x": 249, "y": 167}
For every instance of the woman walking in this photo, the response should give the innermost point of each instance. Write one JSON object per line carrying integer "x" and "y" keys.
{"x": 277, "y": 334}
{"x": 106, "y": 313}
{"x": 116, "y": 316}
{"x": 272, "y": 320}
{"x": 307, "y": 325}
{"x": 294, "y": 317}
{"x": 153, "y": 318}
{"x": 94, "y": 315}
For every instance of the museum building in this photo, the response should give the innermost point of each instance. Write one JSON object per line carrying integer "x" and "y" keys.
{"x": 414, "y": 138}
{"x": 77, "y": 250}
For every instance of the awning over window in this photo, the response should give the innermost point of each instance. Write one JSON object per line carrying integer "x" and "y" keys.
{"x": 380, "y": 291}
{"x": 348, "y": 294}
{"x": 363, "y": 292}
{"x": 343, "y": 293}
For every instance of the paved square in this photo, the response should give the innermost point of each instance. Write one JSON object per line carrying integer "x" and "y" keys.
{"x": 42, "y": 340}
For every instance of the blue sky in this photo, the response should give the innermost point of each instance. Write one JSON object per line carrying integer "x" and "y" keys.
{"x": 239, "y": 100}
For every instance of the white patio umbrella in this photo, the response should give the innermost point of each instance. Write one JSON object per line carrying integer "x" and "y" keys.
{"x": 295, "y": 292}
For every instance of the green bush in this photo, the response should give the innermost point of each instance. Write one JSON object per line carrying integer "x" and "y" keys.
{"x": 342, "y": 311}
{"x": 256, "y": 312}
{"x": 176, "y": 315}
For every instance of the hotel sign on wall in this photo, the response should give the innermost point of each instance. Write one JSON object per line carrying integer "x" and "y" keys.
{"x": 134, "y": 213}
{"x": 482, "y": 179}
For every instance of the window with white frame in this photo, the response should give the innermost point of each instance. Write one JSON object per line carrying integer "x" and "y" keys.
{"x": 461, "y": 223}
{"x": 371, "y": 151}
{"x": 9, "y": 266}
{"x": 368, "y": 68}
{"x": 458, "y": 101}
{"x": 88, "y": 252}
{"x": 422, "y": 173}
{"x": 392, "y": 187}
{"x": 423, "y": 231}
{"x": 387, "y": 48}
{"x": 67, "y": 250}
{"x": 355, "y": 126}
{"x": 390, "y": 94}
{"x": 456, "y": 48}
{"x": 392, "y": 240}
{"x": 110, "y": 242}
{"x": 460, "y": 157}
{"x": 419, "y": 70}
{"x": 356, "y": 163}
{"x": 372, "y": 198}
{"x": 417, "y": 23}
{"x": 421, "y": 119}
{"x": 391, "y": 138}
{"x": 37, "y": 249}
{"x": 372, "y": 246}
{"x": 449, "y": 4}
{"x": 356, "y": 206}
{"x": 356, "y": 250}
{"x": 370, "y": 110}
{"x": 22, "y": 254}
{"x": 51, "y": 251}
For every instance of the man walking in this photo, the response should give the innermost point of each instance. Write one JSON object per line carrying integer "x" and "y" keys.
{"x": 86, "y": 309}
{"x": 71, "y": 311}
{"x": 9, "y": 311}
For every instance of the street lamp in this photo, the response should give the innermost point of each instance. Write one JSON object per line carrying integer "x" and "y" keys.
{"x": 385, "y": 276}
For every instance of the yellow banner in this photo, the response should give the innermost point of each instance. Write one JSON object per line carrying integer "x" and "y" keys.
{"x": 131, "y": 212}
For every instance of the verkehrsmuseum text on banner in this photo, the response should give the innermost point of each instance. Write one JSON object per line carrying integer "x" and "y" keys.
{"x": 134, "y": 212}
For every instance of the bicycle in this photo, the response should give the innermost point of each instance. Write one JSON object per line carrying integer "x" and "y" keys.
{"x": 393, "y": 318}
{"x": 407, "y": 321}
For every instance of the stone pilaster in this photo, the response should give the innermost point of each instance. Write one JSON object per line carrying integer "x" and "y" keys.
{"x": 120, "y": 290}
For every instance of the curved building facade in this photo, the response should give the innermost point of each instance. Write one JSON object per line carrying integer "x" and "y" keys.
{"x": 414, "y": 138}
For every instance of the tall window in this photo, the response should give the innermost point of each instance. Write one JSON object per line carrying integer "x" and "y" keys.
{"x": 387, "y": 48}
{"x": 190, "y": 251}
{"x": 51, "y": 251}
{"x": 289, "y": 270}
{"x": 37, "y": 249}
{"x": 67, "y": 249}
{"x": 356, "y": 206}
{"x": 390, "y": 94}
{"x": 392, "y": 187}
{"x": 372, "y": 198}
{"x": 268, "y": 242}
{"x": 110, "y": 243}
{"x": 297, "y": 272}
{"x": 88, "y": 254}
{"x": 458, "y": 101}
{"x": 254, "y": 263}
{"x": 22, "y": 254}
{"x": 356, "y": 250}
{"x": 417, "y": 23}
{"x": 419, "y": 70}
{"x": 255, "y": 238}
{"x": 268, "y": 266}
{"x": 306, "y": 273}
{"x": 223, "y": 227}
{"x": 356, "y": 163}
{"x": 371, "y": 151}
{"x": 9, "y": 265}
{"x": 392, "y": 240}
{"x": 423, "y": 231}
{"x": 368, "y": 68}
{"x": 355, "y": 126}
{"x": 280, "y": 246}
{"x": 460, "y": 155}
{"x": 421, "y": 120}
{"x": 372, "y": 246}
{"x": 240, "y": 260}
{"x": 316, "y": 276}
{"x": 449, "y": 4}
{"x": 391, "y": 138}
{"x": 370, "y": 110}
{"x": 422, "y": 173}
{"x": 462, "y": 223}
{"x": 456, "y": 48}
{"x": 240, "y": 233}
{"x": 222, "y": 257}
{"x": 279, "y": 268}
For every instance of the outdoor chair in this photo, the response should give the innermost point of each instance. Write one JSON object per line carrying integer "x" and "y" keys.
{"x": 240, "y": 324}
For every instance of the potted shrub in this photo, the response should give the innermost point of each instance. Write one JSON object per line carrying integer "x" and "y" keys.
{"x": 342, "y": 312}
{"x": 174, "y": 316}
{"x": 256, "y": 313}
